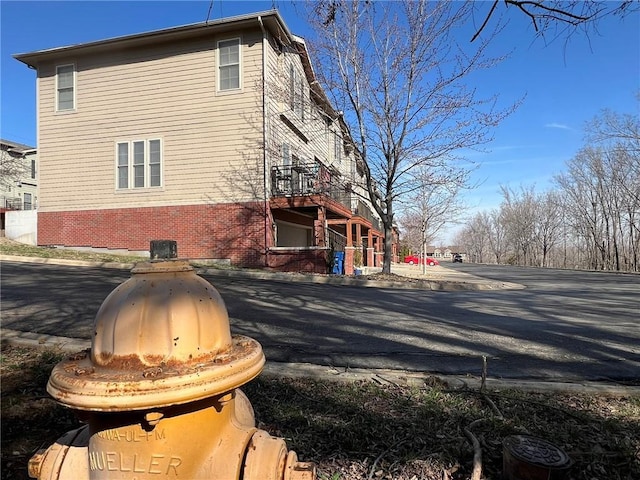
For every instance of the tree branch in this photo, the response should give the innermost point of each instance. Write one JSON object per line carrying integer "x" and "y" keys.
{"x": 486, "y": 20}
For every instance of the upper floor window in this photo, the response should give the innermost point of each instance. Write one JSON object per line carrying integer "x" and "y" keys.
{"x": 229, "y": 64}
{"x": 337, "y": 149}
{"x": 296, "y": 91}
{"x": 139, "y": 164}
{"x": 33, "y": 168}
{"x": 65, "y": 87}
{"x": 286, "y": 155}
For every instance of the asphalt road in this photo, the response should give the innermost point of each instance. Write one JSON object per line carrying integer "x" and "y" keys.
{"x": 564, "y": 325}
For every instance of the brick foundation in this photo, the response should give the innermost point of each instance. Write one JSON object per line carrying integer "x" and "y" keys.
{"x": 223, "y": 231}
{"x": 296, "y": 260}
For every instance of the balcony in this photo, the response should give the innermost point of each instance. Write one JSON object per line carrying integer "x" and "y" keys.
{"x": 309, "y": 179}
{"x": 306, "y": 179}
{"x": 11, "y": 203}
{"x": 364, "y": 211}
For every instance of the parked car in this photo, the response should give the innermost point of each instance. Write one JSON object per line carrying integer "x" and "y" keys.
{"x": 416, "y": 260}
{"x": 457, "y": 258}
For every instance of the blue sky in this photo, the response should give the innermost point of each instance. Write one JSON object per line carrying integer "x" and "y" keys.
{"x": 566, "y": 83}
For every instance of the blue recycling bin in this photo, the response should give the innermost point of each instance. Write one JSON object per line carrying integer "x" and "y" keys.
{"x": 338, "y": 263}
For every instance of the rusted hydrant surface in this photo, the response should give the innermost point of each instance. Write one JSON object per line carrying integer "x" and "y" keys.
{"x": 159, "y": 391}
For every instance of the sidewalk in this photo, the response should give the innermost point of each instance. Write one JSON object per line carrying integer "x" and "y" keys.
{"x": 436, "y": 278}
{"x": 380, "y": 376}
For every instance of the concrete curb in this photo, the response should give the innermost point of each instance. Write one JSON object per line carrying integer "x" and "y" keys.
{"x": 414, "y": 283}
{"x": 379, "y": 376}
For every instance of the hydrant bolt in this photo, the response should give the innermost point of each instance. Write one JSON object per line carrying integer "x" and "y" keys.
{"x": 153, "y": 418}
{"x": 303, "y": 471}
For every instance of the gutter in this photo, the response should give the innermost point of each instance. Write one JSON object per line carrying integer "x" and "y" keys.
{"x": 264, "y": 141}
{"x": 272, "y": 17}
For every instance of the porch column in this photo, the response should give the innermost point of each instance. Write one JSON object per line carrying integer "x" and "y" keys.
{"x": 370, "y": 250}
{"x": 358, "y": 261}
{"x": 349, "y": 250}
{"x": 319, "y": 227}
{"x": 379, "y": 252}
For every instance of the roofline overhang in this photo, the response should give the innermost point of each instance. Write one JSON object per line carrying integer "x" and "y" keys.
{"x": 270, "y": 18}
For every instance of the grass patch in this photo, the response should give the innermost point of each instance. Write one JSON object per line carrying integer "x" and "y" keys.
{"x": 9, "y": 247}
{"x": 357, "y": 431}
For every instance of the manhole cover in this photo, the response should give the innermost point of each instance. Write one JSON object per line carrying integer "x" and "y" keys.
{"x": 531, "y": 458}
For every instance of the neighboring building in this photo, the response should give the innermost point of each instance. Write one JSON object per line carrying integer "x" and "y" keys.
{"x": 449, "y": 252}
{"x": 444, "y": 253}
{"x": 216, "y": 135}
{"x": 19, "y": 185}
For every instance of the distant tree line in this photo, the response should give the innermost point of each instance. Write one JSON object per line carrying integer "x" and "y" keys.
{"x": 589, "y": 219}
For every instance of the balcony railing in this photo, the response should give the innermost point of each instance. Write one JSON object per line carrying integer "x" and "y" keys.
{"x": 316, "y": 179}
{"x": 307, "y": 179}
{"x": 14, "y": 203}
{"x": 365, "y": 212}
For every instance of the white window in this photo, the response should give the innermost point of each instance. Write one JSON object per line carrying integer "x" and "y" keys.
{"x": 65, "y": 87}
{"x": 286, "y": 155}
{"x": 337, "y": 149}
{"x": 296, "y": 91}
{"x": 292, "y": 87}
{"x": 138, "y": 164}
{"x": 229, "y": 64}
{"x": 27, "y": 205}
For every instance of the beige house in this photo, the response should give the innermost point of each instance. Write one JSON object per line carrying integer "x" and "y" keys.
{"x": 216, "y": 135}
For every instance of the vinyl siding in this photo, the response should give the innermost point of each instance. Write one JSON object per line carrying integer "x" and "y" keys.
{"x": 319, "y": 134}
{"x": 210, "y": 140}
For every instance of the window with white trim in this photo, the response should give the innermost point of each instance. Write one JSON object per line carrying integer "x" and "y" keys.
{"x": 27, "y": 202}
{"x": 286, "y": 155}
{"x": 65, "y": 88}
{"x": 229, "y": 64}
{"x": 296, "y": 91}
{"x": 337, "y": 148}
{"x": 138, "y": 164}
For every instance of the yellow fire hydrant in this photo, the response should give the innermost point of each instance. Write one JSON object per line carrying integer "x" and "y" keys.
{"x": 158, "y": 390}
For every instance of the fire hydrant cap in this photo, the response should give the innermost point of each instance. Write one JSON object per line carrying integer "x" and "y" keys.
{"x": 160, "y": 338}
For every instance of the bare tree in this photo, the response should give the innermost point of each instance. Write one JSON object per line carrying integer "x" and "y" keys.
{"x": 602, "y": 189}
{"x": 618, "y": 138}
{"x": 497, "y": 235}
{"x": 548, "y": 224}
{"x": 399, "y": 74}
{"x": 435, "y": 203}
{"x": 475, "y": 237}
{"x": 13, "y": 168}
{"x": 557, "y": 17}
{"x": 429, "y": 208}
{"x": 594, "y": 210}
{"x": 519, "y": 214}
{"x": 603, "y": 200}
{"x": 614, "y": 128}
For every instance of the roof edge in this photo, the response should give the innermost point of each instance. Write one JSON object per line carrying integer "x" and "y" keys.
{"x": 33, "y": 58}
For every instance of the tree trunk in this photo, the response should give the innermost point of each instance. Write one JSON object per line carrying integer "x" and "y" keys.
{"x": 388, "y": 250}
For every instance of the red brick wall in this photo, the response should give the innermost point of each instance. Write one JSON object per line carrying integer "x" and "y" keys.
{"x": 284, "y": 260}
{"x": 234, "y": 231}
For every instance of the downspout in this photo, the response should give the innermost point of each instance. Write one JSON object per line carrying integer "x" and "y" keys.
{"x": 264, "y": 143}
